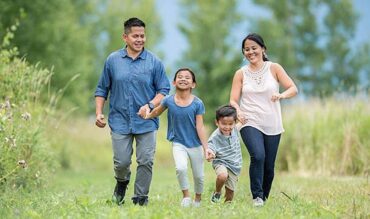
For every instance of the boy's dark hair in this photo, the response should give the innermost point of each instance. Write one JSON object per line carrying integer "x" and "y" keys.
{"x": 185, "y": 69}
{"x": 225, "y": 111}
{"x": 132, "y": 22}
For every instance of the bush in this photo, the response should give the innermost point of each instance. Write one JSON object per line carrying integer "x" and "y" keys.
{"x": 24, "y": 161}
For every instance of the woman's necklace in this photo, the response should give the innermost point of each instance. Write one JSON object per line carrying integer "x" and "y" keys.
{"x": 257, "y": 77}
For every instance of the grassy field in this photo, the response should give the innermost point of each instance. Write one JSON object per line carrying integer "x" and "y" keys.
{"x": 83, "y": 188}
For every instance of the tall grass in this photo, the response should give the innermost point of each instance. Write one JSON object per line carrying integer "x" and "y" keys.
{"x": 24, "y": 158}
{"x": 326, "y": 137}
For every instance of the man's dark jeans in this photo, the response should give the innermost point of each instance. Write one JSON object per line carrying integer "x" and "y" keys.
{"x": 262, "y": 150}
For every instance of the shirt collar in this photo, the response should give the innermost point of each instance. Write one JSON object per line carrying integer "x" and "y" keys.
{"x": 142, "y": 55}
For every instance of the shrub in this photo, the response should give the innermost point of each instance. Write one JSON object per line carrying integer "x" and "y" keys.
{"x": 24, "y": 161}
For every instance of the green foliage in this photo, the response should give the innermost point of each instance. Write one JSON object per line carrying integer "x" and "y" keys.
{"x": 313, "y": 40}
{"x": 24, "y": 160}
{"x": 55, "y": 34}
{"x": 331, "y": 138}
{"x": 113, "y": 15}
{"x": 211, "y": 52}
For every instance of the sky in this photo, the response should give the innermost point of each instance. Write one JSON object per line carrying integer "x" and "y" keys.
{"x": 174, "y": 43}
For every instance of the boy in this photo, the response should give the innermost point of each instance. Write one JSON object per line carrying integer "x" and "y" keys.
{"x": 227, "y": 159}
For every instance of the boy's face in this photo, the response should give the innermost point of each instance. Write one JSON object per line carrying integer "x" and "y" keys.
{"x": 226, "y": 124}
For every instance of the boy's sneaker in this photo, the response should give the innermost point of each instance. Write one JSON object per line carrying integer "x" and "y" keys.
{"x": 186, "y": 202}
{"x": 258, "y": 202}
{"x": 216, "y": 197}
{"x": 196, "y": 204}
{"x": 120, "y": 192}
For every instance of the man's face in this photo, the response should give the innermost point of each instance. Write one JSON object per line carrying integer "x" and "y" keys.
{"x": 135, "y": 39}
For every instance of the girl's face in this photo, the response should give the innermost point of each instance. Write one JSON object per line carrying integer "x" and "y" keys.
{"x": 252, "y": 51}
{"x": 184, "y": 80}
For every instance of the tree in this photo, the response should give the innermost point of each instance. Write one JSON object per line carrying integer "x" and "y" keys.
{"x": 211, "y": 52}
{"x": 313, "y": 40}
{"x": 113, "y": 14}
{"x": 53, "y": 34}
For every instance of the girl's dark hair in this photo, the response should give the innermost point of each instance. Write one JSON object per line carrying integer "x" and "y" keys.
{"x": 259, "y": 40}
{"x": 185, "y": 69}
{"x": 226, "y": 111}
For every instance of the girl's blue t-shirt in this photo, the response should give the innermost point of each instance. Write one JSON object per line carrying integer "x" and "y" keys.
{"x": 182, "y": 121}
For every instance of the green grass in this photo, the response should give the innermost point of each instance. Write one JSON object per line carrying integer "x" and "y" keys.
{"x": 87, "y": 194}
{"x": 83, "y": 188}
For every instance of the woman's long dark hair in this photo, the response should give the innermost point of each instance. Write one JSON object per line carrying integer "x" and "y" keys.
{"x": 259, "y": 40}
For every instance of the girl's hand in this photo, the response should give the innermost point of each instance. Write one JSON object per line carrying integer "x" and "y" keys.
{"x": 144, "y": 111}
{"x": 209, "y": 155}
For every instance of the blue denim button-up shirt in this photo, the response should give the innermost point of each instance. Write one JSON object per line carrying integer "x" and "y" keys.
{"x": 131, "y": 84}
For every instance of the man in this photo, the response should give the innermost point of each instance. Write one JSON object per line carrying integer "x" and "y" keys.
{"x": 137, "y": 82}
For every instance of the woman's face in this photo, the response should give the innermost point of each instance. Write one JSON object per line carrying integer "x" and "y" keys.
{"x": 253, "y": 51}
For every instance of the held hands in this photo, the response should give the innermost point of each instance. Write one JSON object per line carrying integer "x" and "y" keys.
{"x": 100, "y": 121}
{"x": 242, "y": 118}
{"x": 144, "y": 111}
{"x": 209, "y": 154}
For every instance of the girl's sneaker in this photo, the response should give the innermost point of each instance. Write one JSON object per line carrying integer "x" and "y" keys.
{"x": 196, "y": 204}
{"x": 186, "y": 202}
{"x": 258, "y": 202}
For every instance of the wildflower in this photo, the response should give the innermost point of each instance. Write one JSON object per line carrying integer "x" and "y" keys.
{"x": 7, "y": 104}
{"x": 22, "y": 163}
{"x": 26, "y": 116}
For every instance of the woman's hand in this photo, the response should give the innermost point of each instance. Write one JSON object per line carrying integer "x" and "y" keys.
{"x": 242, "y": 118}
{"x": 277, "y": 96}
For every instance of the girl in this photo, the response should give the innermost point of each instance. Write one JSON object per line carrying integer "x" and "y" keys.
{"x": 186, "y": 132}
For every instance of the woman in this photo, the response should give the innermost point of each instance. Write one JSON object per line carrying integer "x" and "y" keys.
{"x": 255, "y": 95}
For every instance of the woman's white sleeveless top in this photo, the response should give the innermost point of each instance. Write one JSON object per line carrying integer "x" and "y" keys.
{"x": 256, "y": 104}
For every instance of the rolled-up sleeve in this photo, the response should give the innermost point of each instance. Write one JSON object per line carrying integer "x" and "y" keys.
{"x": 161, "y": 82}
{"x": 102, "y": 89}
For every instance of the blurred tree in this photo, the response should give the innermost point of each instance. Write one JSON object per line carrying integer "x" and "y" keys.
{"x": 75, "y": 37}
{"x": 113, "y": 14}
{"x": 56, "y": 34}
{"x": 313, "y": 40}
{"x": 211, "y": 52}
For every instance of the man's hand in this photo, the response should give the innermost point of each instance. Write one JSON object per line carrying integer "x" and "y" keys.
{"x": 100, "y": 121}
{"x": 143, "y": 111}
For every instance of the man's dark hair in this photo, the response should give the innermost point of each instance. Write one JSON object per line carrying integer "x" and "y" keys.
{"x": 226, "y": 111}
{"x": 132, "y": 22}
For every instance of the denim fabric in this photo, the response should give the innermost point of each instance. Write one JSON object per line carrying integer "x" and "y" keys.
{"x": 262, "y": 150}
{"x": 131, "y": 84}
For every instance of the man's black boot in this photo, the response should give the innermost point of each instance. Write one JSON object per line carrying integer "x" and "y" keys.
{"x": 120, "y": 192}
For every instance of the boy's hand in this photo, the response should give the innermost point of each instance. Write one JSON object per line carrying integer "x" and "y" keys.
{"x": 209, "y": 155}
